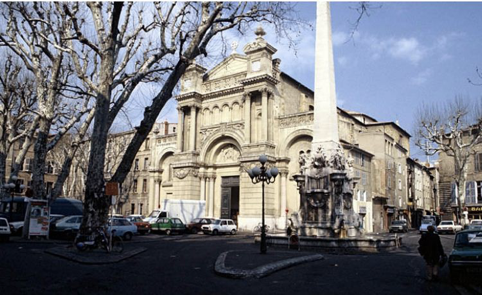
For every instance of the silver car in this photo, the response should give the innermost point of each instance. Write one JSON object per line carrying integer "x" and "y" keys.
{"x": 398, "y": 226}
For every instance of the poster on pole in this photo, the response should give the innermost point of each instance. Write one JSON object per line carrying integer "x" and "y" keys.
{"x": 39, "y": 218}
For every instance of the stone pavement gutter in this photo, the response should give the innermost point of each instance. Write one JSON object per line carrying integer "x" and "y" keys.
{"x": 221, "y": 269}
{"x": 94, "y": 256}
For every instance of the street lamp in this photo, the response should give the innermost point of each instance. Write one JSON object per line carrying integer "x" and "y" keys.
{"x": 10, "y": 188}
{"x": 263, "y": 175}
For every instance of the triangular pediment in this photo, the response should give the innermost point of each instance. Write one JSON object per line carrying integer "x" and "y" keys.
{"x": 233, "y": 64}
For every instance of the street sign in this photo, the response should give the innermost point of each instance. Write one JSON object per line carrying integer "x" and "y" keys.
{"x": 112, "y": 188}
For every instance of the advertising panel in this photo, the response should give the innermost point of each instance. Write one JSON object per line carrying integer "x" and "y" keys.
{"x": 39, "y": 218}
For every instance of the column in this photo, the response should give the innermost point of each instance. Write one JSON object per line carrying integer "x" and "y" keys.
{"x": 203, "y": 188}
{"x": 157, "y": 194}
{"x": 264, "y": 114}
{"x": 247, "y": 118}
{"x": 180, "y": 129}
{"x": 283, "y": 196}
{"x": 151, "y": 193}
{"x": 211, "y": 196}
{"x": 192, "y": 138}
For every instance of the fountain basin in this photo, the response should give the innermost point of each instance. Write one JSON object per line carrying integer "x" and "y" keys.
{"x": 370, "y": 244}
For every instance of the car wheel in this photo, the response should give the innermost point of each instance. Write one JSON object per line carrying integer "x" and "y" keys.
{"x": 194, "y": 230}
{"x": 233, "y": 232}
{"x": 127, "y": 236}
{"x": 168, "y": 232}
{"x": 215, "y": 232}
{"x": 19, "y": 231}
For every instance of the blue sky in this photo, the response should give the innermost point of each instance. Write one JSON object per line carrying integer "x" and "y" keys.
{"x": 403, "y": 54}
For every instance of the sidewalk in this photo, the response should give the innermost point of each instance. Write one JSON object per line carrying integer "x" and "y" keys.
{"x": 250, "y": 263}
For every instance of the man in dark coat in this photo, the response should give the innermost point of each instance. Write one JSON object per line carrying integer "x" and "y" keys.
{"x": 431, "y": 249}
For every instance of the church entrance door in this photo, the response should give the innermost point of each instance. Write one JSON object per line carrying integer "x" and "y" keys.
{"x": 230, "y": 198}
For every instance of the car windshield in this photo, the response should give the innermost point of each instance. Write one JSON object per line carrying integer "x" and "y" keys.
{"x": 197, "y": 220}
{"x": 154, "y": 214}
{"x": 427, "y": 221}
{"x": 218, "y": 221}
{"x": 470, "y": 239}
{"x": 398, "y": 222}
{"x": 476, "y": 222}
{"x": 446, "y": 223}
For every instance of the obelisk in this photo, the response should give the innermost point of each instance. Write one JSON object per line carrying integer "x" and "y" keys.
{"x": 325, "y": 130}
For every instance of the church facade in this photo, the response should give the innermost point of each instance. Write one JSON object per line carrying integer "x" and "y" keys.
{"x": 229, "y": 116}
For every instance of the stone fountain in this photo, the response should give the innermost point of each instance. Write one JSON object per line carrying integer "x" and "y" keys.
{"x": 326, "y": 196}
{"x": 326, "y": 218}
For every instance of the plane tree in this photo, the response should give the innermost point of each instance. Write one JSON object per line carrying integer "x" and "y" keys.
{"x": 116, "y": 48}
{"x": 452, "y": 129}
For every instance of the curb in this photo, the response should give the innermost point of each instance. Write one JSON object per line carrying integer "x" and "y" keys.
{"x": 261, "y": 271}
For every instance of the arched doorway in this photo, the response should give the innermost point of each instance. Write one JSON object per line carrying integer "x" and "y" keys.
{"x": 230, "y": 197}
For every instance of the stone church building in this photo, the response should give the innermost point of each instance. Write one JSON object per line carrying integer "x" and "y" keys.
{"x": 230, "y": 115}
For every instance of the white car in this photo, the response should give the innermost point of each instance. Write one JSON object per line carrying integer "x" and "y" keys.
{"x": 448, "y": 226}
{"x": 5, "y": 231}
{"x": 123, "y": 228}
{"x": 220, "y": 226}
{"x": 425, "y": 224}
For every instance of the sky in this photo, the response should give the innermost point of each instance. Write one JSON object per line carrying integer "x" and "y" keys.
{"x": 402, "y": 54}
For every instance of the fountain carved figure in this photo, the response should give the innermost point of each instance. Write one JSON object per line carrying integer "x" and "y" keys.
{"x": 326, "y": 195}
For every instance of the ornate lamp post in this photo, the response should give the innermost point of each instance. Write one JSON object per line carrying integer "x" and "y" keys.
{"x": 263, "y": 175}
{"x": 10, "y": 189}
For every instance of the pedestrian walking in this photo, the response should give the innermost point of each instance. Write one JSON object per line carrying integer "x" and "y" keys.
{"x": 432, "y": 250}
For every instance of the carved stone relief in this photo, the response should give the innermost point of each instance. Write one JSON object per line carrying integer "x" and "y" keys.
{"x": 228, "y": 154}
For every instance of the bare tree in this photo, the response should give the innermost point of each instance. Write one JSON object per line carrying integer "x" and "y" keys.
{"x": 16, "y": 100}
{"x": 35, "y": 32}
{"x": 116, "y": 47}
{"x": 452, "y": 129}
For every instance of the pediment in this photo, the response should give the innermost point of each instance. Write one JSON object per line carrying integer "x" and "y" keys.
{"x": 234, "y": 64}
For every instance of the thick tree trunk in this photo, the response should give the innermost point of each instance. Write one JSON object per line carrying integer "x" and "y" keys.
{"x": 150, "y": 116}
{"x": 40, "y": 156}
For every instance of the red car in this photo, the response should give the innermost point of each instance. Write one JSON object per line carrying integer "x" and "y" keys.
{"x": 142, "y": 226}
{"x": 195, "y": 225}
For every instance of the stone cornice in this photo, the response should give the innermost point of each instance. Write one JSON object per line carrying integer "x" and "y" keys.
{"x": 189, "y": 95}
{"x": 261, "y": 78}
{"x": 224, "y": 92}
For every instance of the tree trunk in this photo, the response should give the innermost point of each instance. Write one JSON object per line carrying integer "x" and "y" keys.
{"x": 150, "y": 116}
{"x": 40, "y": 156}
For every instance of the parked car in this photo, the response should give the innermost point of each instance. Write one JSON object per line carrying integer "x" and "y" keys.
{"x": 67, "y": 226}
{"x": 123, "y": 228}
{"x": 220, "y": 226}
{"x": 426, "y": 223}
{"x": 474, "y": 224}
{"x": 465, "y": 260}
{"x": 195, "y": 225}
{"x": 142, "y": 226}
{"x": 448, "y": 226}
{"x": 5, "y": 230}
{"x": 398, "y": 226}
{"x": 168, "y": 225}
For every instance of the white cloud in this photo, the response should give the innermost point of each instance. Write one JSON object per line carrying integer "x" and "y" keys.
{"x": 339, "y": 38}
{"x": 422, "y": 77}
{"x": 408, "y": 49}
